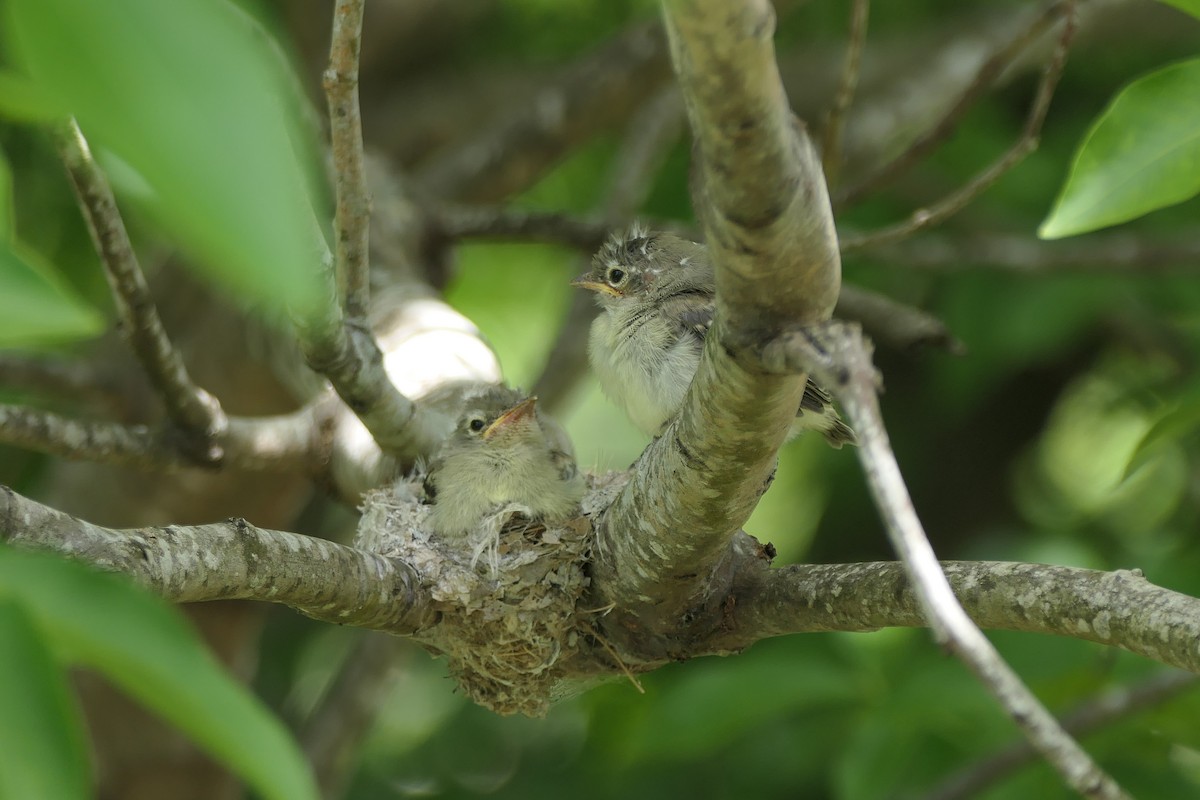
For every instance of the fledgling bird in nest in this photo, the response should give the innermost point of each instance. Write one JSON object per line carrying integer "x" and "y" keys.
{"x": 657, "y": 293}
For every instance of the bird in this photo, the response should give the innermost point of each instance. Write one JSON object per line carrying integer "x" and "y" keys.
{"x": 657, "y": 295}
{"x": 503, "y": 451}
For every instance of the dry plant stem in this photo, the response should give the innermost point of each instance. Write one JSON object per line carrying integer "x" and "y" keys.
{"x": 1026, "y": 144}
{"x": 839, "y": 359}
{"x": 195, "y": 412}
{"x": 831, "y": 136}
{"x": 336, "y": 728}
{"x": 233, "y": 560}
{"x": 942, "y": 129}
{"x": 285, "y": 443}
{"x": 352, "y": 221}
{"x": 1093, "y": 715}
{"x": 644, "y": 147}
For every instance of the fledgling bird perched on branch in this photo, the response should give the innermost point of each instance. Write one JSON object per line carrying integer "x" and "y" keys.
{"x": 503, "y": 451}
{"x": 657, "y": 292}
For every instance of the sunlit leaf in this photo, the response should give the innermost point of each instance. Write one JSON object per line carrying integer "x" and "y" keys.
{"x": 23, "y": 100}
{"x": 143, "y": 646}
{"x": 35, "y": 307}
{"x": 1181, "y": 421}
{"x": 1189, "y": 6}
{"x": 194, "y": 98}
{"x": 41, "y": 731}
{"x": 1142, "y": 154}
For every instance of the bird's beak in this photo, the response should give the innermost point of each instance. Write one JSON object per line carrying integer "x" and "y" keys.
{"x": 522, "y": 410}
{"x": 594, "y": 286}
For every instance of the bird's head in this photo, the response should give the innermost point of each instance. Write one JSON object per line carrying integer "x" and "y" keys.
{"x": 631, "y": 264}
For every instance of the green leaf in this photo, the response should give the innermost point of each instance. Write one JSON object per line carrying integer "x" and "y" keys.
{"x": 146, "y": 648}
{"x": 1143, "y": 153}
{"x": 24, "y": 101}
{"x": 34, "y": 307}
{"x": 194, "y": 97}
{"x": 41, "y": 732}
{"x": 1188, "y": 6}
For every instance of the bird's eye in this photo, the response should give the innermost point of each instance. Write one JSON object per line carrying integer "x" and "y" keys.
{"x": 615, "y": 275}
{"x": 475, "y": 425}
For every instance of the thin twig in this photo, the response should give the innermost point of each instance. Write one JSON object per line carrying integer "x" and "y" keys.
{"x": 1025, "y": 144}
{"x": 831, "y": 137}
{"x": 838, "y": 357}
{"x": 53, "y": 377}
{"x": 506, "y": 155}
{"x": 1117, "y": 253}
{"x": 986, "y": 76}
{"x": 456, "y": 222}
{"x": 353, "y": 213}
{"x": 1092, "y": 715}
{"x": 195, "y": 412}
{"x": 648, "y": 139}
{"x": 898, "y": 325}
{"x": 285, "y": 443}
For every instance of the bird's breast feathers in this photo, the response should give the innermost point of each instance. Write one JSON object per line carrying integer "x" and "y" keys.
{"x": 643, "y": 365}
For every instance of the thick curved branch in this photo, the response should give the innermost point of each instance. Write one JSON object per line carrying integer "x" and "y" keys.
{"x": 233, "y": 560}
{"x": 770, "y": 230}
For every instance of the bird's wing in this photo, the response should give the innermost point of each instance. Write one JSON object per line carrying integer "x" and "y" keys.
{"x": 692, "y": 311}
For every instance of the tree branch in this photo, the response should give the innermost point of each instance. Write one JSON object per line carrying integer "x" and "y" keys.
{"x": 497, "y": 223}
{"x": 353, "y": 213}
{"x": 234, "y": 560}
{"x": 195, "y": 412}
{"x": 1119, "y": 609}
{"x": 770, "y": 231}
{"x": 835, "y": 120}
{"x": 985, "y": 77}
{"x": 509, "y": 154}
{"x": 1026, "y": 143}
{"x": 837, "y": 357}
{"x": 284, "y": 443}
{"x": 1090, "y": 716}
{"x": 895, "y": 324}
{"x": 1117, "y": 253}
{"x": 61, "y": 379}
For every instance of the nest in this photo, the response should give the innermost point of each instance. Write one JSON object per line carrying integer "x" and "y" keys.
{"x": 507, "y": 596}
